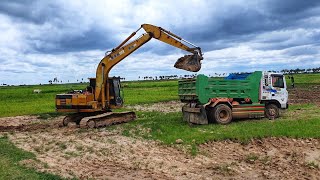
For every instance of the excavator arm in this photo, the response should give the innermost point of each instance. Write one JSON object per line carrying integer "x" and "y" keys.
{"x": 188, "y": 62}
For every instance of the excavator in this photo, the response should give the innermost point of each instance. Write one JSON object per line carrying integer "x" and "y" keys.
{"x": 92, "y": 108}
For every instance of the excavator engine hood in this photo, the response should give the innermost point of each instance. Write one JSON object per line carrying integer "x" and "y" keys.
{"x": 189, "y": 63}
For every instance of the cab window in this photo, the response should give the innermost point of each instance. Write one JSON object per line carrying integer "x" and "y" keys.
{"x": 277, "y": 81}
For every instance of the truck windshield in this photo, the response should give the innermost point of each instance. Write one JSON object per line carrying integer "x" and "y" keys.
{"x": 277, "y": 81}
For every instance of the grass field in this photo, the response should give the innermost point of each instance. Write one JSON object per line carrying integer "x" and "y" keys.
{"x": 20, "y": 100}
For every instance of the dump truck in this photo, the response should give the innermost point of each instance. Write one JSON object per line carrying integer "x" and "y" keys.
{"x": 92, "y": 108}
{"x": 252, "y": 95}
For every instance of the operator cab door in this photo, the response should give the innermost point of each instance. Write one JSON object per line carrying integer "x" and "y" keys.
{"x": 115, "y": 91}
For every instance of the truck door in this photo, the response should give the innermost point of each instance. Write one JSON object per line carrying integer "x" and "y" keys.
{"x": 279, "y": 89}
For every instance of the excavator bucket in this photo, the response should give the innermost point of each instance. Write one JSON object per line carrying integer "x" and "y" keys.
{"x": 189, "y": 63}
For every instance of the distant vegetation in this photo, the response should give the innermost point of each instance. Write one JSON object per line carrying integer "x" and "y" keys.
{"x": 172, "y": 77}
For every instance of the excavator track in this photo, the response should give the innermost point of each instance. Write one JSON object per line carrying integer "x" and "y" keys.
{"x": 107, "y": 119}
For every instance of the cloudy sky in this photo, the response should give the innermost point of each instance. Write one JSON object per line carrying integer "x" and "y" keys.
{"x": 43, "y": 39}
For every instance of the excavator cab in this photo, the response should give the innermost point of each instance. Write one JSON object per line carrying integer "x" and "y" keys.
{"x": 116, "y": 97}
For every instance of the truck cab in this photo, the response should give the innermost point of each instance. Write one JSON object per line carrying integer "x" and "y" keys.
{"x": 273, "y": 89}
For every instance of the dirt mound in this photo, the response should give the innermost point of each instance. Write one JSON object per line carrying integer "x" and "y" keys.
{"x": 102, "y": 154}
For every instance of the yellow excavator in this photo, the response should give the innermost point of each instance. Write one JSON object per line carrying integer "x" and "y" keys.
{"x": 92, "y": 107}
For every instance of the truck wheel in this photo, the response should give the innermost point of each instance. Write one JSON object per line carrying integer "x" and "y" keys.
{"x": 271, "y": 111}
{"x": 222, "y": 114}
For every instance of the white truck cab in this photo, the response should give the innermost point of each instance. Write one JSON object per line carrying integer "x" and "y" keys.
{"x": 273, "y": 89}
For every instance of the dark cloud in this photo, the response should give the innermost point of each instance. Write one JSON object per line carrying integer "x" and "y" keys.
{"x": 30, "y": 11}
{"x": 62, "y": 37}
{"x": 304, "y": 50}
{"x": 289, "y": 7}
{"x": 289, "y": 39}
{"x": 92, "y": 39}
{"x": 243, "y": 23}
{"x": 236, "y": 23}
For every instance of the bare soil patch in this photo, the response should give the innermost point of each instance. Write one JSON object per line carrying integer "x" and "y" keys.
{"x": 26, "y": 123}
{"x": 299, "y": 95}
{"x": 165, "y": 107}
{"x": 106, "y": 154}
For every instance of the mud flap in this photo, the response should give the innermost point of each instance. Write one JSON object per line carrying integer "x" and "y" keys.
{"x": 189, "y": 63}
{"x": 194, "y": 114}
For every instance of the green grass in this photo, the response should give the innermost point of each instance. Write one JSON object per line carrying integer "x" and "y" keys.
{"x": 9, "y": 163}
{"x": 298, "y": 122}
{"x": 304, "y": 80}
{"x": 20, "y": 100}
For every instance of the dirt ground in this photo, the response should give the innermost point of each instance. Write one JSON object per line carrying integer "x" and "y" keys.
{"x": 165, "y": 107}
{"x": 301, "y": 95}
{"x": 106, "y": 154}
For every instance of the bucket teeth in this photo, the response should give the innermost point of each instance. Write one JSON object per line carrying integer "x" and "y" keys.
{"x": 189, "y": 63}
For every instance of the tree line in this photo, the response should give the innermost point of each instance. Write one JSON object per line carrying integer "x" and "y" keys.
{"x": 170, "y": 77}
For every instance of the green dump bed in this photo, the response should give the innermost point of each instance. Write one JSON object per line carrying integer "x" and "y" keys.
{"x": 202, "y": 88}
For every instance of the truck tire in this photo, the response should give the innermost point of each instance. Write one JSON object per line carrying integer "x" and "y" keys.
{"x": 222, "y": 114}
{"x": 271, "y": 111}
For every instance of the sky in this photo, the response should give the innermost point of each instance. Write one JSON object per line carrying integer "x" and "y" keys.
{"x": 44, "y": 39}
